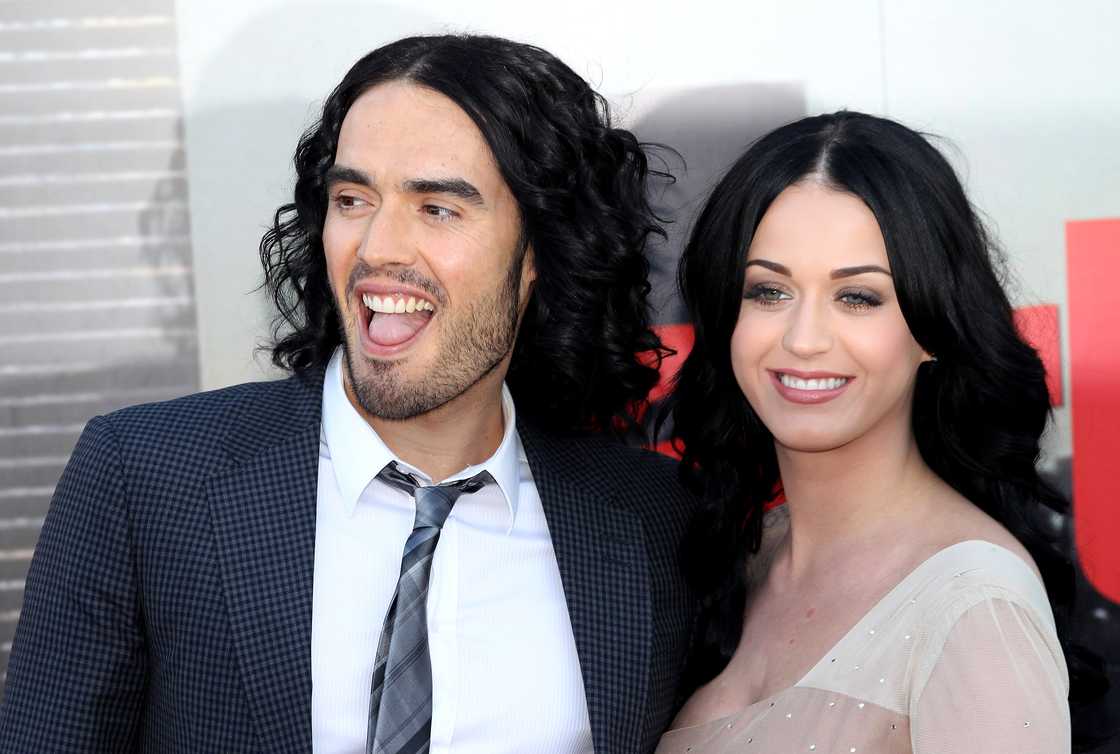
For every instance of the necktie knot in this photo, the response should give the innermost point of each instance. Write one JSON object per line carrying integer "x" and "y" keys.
{"x": 433, "y": 502}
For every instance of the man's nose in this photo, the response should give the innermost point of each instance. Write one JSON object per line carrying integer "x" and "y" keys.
{"x": 809, "y": 331}
{"x": 388, "y": 239}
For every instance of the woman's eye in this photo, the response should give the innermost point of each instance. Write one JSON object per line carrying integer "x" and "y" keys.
{"x": 859, "y": 299}
{"x": 767, "y": 295}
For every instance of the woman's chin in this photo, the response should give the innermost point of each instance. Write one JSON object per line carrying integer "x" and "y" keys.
{"x": 811, "y": 441}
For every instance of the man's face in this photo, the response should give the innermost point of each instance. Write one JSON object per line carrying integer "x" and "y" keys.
{"x": 423, "y": 252}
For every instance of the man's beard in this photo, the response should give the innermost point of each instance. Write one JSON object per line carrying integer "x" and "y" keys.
{"x": 473, "y": 343}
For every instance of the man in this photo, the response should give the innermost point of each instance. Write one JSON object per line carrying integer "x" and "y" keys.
{"x": 391, "y": 550}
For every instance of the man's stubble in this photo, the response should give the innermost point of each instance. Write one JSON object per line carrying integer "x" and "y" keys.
{"x": 473, "y": 342}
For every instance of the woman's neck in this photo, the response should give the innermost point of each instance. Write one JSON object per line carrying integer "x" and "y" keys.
{"x": 858, "y": 500}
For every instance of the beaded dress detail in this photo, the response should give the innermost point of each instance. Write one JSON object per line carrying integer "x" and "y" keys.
{"x": 960, "y": 656}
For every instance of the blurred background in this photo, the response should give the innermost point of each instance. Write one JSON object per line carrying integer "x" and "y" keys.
{"x": 144, "y": 146}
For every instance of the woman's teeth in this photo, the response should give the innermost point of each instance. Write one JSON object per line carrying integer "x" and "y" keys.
{"x": 395, "y": 305}
{"x": 828, "y": 383}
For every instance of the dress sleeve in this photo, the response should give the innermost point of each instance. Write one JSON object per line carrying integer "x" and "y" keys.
{"x": 999, "y": 684}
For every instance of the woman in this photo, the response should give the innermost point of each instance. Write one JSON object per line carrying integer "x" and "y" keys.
{"x": 855, "y": 349}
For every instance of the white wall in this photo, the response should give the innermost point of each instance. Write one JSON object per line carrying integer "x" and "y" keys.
{"x": 1029, "y": 94}
{"x": 1026, "y": 91}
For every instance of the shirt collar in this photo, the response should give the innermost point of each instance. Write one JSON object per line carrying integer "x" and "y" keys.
{"x": 358, "y": 454}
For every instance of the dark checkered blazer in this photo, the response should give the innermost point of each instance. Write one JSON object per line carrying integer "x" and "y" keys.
{"x": 168, "y": 605}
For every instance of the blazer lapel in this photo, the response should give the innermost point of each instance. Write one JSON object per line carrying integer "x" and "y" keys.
{"x": 603, "y": 561}
{"x": 263, "y": 511}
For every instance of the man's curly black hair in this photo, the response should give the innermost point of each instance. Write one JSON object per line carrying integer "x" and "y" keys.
{"x": 585, "y": 353}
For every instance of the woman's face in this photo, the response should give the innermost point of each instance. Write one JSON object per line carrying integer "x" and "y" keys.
{"x": 821, "y": 349}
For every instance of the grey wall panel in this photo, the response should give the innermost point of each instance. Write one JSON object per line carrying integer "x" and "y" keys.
{"x": 96, "y": 302}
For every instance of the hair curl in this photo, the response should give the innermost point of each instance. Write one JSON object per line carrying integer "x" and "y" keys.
{"x": 978, "y": 411}
{"x": 585, "y": 353}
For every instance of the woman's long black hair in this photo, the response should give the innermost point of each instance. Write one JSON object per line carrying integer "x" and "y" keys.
{"x": 979, "y": 409}
{"x": 585, "y": 351}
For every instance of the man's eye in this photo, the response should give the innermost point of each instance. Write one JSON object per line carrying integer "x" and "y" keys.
{"x": 346, "y": 201}
{"x": 443, "y": 214}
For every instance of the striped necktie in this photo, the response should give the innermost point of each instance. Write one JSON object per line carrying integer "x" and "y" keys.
{"x": 400, "y": 705}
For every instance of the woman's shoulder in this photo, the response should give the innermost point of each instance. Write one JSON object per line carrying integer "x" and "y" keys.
{"x": 1001, "y": 561}
{"x": 968, "y": 558}
{"x": 986, "y": 634}
{"x": 968, "y": 573}
{"x": 977, "y": 594}
{"x": 968, "y": 602}
{"x": 913, "y": 621}
{"x": 891, "y": 651}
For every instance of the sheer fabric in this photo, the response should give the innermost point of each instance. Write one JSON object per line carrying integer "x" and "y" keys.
{"x": 961, "y": 656}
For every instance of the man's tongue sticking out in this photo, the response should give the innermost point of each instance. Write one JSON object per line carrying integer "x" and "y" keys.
{"x": 394, "y": 329}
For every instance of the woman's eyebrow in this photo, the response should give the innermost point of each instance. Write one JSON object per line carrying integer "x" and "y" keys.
{"x": 781, "y": 269}
{"x": 847, "y": 272}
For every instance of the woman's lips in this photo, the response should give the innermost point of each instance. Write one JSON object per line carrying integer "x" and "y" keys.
{"x": 809, "y": 388}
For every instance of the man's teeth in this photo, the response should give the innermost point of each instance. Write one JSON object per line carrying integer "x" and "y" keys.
{"x": 393, "y": 305}
{"x": 828, "y": 383}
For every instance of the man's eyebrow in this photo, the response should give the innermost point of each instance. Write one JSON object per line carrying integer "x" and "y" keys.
{"x": 847, "y": 272}
{"x": 781, "y": 269}
{"x": 452, "y": 186}
{"x": 343, "y": 174}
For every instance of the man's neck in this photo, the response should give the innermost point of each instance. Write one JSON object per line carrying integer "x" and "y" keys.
{"x": 462, "y": 432}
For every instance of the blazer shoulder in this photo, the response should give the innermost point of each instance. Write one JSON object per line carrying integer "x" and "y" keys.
{"x": 613, "y": 453}
{"x": 227, "y": 420}
{"x": 638, "y": 476}
{"x": 653, "y": 478}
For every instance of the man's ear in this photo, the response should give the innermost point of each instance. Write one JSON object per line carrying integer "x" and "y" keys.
{"x": 528, "y": 272}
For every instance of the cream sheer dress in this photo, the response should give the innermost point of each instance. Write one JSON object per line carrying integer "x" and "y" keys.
{"x": 961, "y": 657}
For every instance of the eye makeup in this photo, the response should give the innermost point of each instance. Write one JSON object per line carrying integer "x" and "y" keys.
{"x": 859, "y": 298}
{"x": 766, "y": 294}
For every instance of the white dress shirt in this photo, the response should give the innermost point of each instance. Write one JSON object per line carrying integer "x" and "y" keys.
{"x": 505, "y": 674}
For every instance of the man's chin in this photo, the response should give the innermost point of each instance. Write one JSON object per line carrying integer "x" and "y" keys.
{"x": 364, "y": 369}
{"x": 378, "y": 390}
